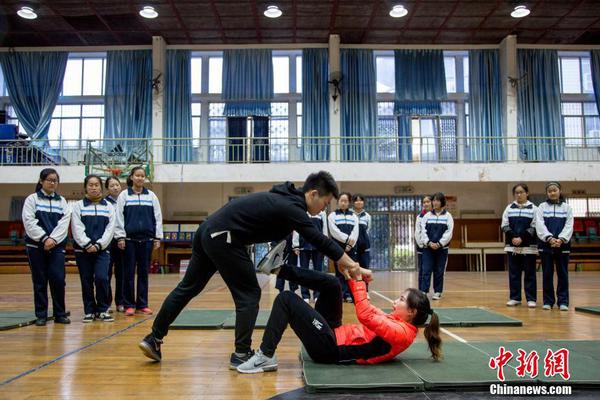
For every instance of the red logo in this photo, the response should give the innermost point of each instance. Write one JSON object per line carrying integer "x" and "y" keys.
{"x": 528, "y": 363}
{"x": 500, "y": 361}
{"x": 557, "y": 363}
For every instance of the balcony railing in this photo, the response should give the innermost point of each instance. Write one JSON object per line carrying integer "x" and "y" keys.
{"x": 443, "y": 149}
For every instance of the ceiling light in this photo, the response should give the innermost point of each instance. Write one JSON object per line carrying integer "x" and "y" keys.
{"x": 520, "y": 12}
{"x": 398, "y": 11}
{"x": 148, "y": 12}
{"x": 273, "y": 12}
{"x": 27, "y": 13}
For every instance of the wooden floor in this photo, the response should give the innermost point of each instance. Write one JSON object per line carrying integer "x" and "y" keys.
{"x": 101, "y": 360}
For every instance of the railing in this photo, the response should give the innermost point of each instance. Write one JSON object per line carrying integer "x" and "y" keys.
{"x": 442, "y": 149}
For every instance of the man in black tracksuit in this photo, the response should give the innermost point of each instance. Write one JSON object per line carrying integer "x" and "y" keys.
{"x": 219, "y": 245}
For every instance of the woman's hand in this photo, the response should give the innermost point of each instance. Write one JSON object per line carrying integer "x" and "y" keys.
{"x": 517, "y": 241}
{"x": 49, "y": 244}
{"x": 92, "y": 249}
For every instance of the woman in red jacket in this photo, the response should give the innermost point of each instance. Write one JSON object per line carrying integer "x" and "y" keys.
{"x": 377, "y": 338}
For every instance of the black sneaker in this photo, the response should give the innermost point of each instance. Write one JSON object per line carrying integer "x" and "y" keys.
{"x": 106, "y": 317}
{"x": 235, "y": 360}
{"x": 62, "y": 320}
{"x": 40, "y": 322}
{"x": 150, "y": 346}
{"x": 87, "y": 318}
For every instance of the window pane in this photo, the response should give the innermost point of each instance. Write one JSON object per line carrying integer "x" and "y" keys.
{"x": 594, "y": 207}
{"x": 196, "y": 75}
{"x": 590, "y": 109}
{"x": 448, "y": 108}
{"x": 385, "y": 108}
{"x": 54, "y": 133}
{"x": 573, "y": 131}
{"x": 2, "y": 84}
{"x": 71, "y": 110}
{"x": 299, "y": 129}
{"x": 299, "y": 108}
{"x": 92, "y": 110}
{"x": 70, "y": 132}
{"x": 278, "y": 145}
{"x": 571, "y": 108}
{"x": 586, "y": 78}
{"x": 215, "y": 73}
{"x": 592, "y": 131}
{"x": 279, "y": 109}
{"x": 196, "y": 109}
{"x": 56, "y": 113}
{"x": 466, "y": 73}
{"x": 91, "y": 129}
{"x": 570, "y": 75}
{"x": 92, "y": 77}
{"x": 196, "y": 131}
{"x": 450, "y": 69}
{"x": 299, "y": 74}
{"x": 216, "y": 109}
{"x": 579, "y": 207}
{"x": 281, "y": 75}
{"x": 386, "y": 76}
{"x": 72, "y": 78}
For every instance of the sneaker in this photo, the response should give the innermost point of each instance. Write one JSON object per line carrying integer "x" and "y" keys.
{"x": 563, "y": 307}
{"x": 120, "y": 309}
{"x": 546, "y": 307}
{"x": 348, "y": 299}
{"x": 145, "y": 311}
{"x": 87, "y": 318}
{"x": 130, "y": 311}
{"x": 236, "y": 360}
{"x": 273, "y": 259}
{"x": 258, "y": 363}
{"x": 62, "y": 320}
{"x": 436, "y": 296}
{"x": 106, "y": 317}
{"x": 531, "y": 304}
{"x": 150, "y": 346}
{"x": 512, "y": 303}
{"x": 40, "y": 322}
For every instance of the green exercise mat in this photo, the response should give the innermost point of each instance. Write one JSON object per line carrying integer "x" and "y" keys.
{"x": 261, "y": 320}
{"x": 589, "y": 309}
{"x": 391, "y": 376}
{"x": 16, "y": 319}
{"x": 201, "y": 319}
{"x": 471, "y": 316}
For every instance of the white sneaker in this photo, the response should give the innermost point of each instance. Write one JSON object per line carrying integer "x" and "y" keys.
{"x": 564, "y": 307}
{"x": 531, "y": 304}
{"x": 273, "y": 259}
{"x": 512, "y": 303}
{"x": 547, "y": 307}
{"x": 436, "y": 296}
{"x": 258, "y": 363}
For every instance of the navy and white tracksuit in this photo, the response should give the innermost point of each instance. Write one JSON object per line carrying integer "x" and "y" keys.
{"x": 139, "y": 222}
{"x": 555, "y": 220}
{"x": 436, "y": 228}
{"x": 518, "y": 221}
{"x": 309, "y": 252}
{"x": 363, "y": 244}
{"x": 92, "y": 225}
{"x": 343, "y": 226}
{"x": 420, "y": 244}
{"x": 47, "y": 216}
{"x": 116, "y": 264}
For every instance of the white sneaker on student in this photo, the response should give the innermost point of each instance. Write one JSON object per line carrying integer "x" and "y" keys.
{"x": 436, "y": 296}
{"x": 273, "y": 259}
{"x": 546, "y": 307}
{"x": 512, "y": 303}
{"x": 531, "y": 304}
{"x": 258, "y": 363}
{"x": 564, "y": 307}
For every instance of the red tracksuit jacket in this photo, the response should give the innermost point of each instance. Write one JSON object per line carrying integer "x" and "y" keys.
{"x": 379, "y": 336}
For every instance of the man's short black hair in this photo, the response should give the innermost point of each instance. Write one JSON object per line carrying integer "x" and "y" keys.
{"x": 323, "y": 182}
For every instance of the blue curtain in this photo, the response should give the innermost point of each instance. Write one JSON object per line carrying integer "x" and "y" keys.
{"x": 247, "y": 82}
{"x": 260, "y": 142}
{"x": 315, "y": 105}
{"x": 34, "y": 81}
{"x": 236, "y": 139}
{"x": 485, "y": 128}
{"x": 359, "y": 105}
{"x": 128, "y": 98}
{"x": 178, "y": 101}
{"x": 596, "y": 75}
{"x": 538, "y": 96}
{"x": 420, "y": 89}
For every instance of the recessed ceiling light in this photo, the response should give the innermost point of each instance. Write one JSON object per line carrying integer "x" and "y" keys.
{"x": 27, "y": 13}
{"x": 273, "y": 12}
{"x": 398, "y": 11}
{"x": 520, "y": 12}
{"x": 148, "y": 12}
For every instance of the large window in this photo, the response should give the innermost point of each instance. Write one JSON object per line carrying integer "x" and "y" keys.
{"x": 585, "y": 207}
{"x": 84, "y": 76}
{"x": 73, "y": 125}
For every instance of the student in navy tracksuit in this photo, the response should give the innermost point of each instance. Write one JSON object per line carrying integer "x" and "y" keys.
{"x": 554, "y": 226}
{"x": 113, "y": 185}
{"x": 343, "y": 225}
{"x": 307, "y": 252}
{"x": 518, "y": 225}
{"x": 138, "y": 231}
{"x": 292, "y": 259}
{"x": 436, "y": 233}
{"x": 363, "y": 244}
{"x": 92, "y": 225}
{"x": 46, "y": 217}
{"x": 426, "y": 202}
